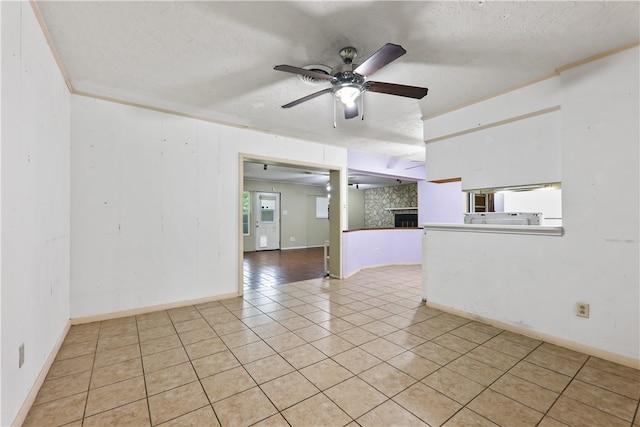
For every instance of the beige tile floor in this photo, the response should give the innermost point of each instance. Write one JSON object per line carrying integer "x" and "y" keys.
{"x": 363, "y": 351}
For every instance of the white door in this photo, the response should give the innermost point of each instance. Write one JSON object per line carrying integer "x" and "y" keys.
{"x": 267, "y": 221}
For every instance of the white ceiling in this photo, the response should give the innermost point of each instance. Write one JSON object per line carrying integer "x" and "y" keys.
{"x": 215, "y": 60}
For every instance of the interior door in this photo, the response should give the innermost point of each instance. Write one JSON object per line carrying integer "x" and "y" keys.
{"x": 267, "y": 221}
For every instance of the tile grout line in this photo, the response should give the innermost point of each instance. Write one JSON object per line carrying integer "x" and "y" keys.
{"x": 574, "y": 378}
{"x": 295, "y": 370}
{"x": 144, "y": 376}
{"x": 198, "y": 376}
{"x": 95, "y": 355}
{"x": 546, "y": 414}
{"x": 505, "y": 372}
{"x": 488, "y": 387}
{"x": 328, "y": 298}
{"x": 635, "y": 415}
{"x": 463, "y": 406}
{"x": 387, "y": 398}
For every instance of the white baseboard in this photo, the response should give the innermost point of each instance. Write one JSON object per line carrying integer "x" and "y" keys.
{"x": 149, "y": 309}
{"x": 300, "y": 247}
{"x": 380, "y": 265}
{"x": 33, "y": 393}
{"x": 292, "y": 248}
{"x": 571, "y": 345}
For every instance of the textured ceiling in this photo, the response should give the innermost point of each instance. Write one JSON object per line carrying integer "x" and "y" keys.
{"x": 215, "y": 60}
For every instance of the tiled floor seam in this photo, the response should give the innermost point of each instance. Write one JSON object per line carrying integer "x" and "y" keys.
{"x": 237, "y": 306}
{"x": 487, "y": 387}
{"x": 93, "y": 364}
{"x": 561, "y": 393}
{"x": 636, "y": 417}
{"x": 545, "y": 414}
{"x": 199, "y": 380}
{"x": 574, "y": 378}
{"x": 144, "y": 376}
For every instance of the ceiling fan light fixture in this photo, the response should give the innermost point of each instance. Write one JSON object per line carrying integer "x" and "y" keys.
{"x": 348, "y": 94}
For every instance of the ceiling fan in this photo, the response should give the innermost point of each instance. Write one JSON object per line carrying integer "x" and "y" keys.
{"x": 349, "y": 81}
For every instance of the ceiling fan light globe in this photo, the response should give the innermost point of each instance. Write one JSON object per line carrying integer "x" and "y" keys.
{"x": 348, "y": 94}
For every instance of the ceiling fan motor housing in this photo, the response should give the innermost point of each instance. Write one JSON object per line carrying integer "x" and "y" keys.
{"x": 343, "y": 74}
{"x": 348, "y": 54}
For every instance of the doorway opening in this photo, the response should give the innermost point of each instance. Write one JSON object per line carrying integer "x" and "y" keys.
{"x": 283, "y": 237}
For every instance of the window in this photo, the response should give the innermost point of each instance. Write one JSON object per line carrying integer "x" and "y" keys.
{"x": 481, "y": 202}
{"x": 246, "y": 213}
{"x": 322, "y": 207}
{"x": 545, "y": 199}
{"x": 267, "y": 209}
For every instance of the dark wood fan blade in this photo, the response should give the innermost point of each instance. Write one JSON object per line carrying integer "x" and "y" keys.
{"x": 306, "y": 98}
{"x": 395, "y": 89}
{"x": 383, "y": 56}
{"x": 303, "y": 71}
{"x": 350, "y": 112}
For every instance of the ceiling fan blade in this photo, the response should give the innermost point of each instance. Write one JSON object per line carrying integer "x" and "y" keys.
{"x": 350, "y": 112}
{"x": 396, "y": 89}
{"x": 383, "y": 56}
{"x": 303, "y": 71}
{"x": 306, "y": 98}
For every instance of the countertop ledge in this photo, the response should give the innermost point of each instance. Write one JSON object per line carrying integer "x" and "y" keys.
{"x": 539, "y": 230}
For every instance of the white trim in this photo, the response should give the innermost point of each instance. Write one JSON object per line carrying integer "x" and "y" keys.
{"x": 149, "y": 309}
{"x": 380, "y": 266}
{"x": 35, "y": 389}
{"x": 300, "y": 247}
{"x": 571, "y": 345}
{"x": 494, "y": 124}
{"x": 401, "y": 209}
{"x": 540, "y": 230}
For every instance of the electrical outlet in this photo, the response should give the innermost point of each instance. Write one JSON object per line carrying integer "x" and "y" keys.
{"x": 292, "y": 239}
{"x": 377, "y": 250}
{"x": 21, "y": 355}
{"x": 582, "y": 309}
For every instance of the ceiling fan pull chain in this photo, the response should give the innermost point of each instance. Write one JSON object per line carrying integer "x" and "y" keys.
{"x": 335, "y": 125}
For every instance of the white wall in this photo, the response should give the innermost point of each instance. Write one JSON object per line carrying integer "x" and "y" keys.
{"x": 1, "y": 102}
{"x": 523, "y": 151}
{"x": 373, "y": 247}
{"x": 356, "y": 209}
{"x": 155, "y": 204}
{"x": 35, "y": 204}
{"x": 440, "y": 203}
{"x": 534, "y": 282}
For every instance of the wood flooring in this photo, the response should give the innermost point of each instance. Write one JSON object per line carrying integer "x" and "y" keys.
{"x": 272, "y": 268}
